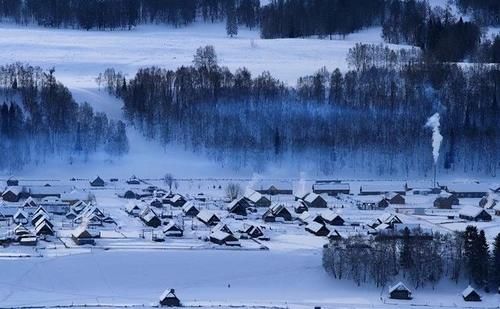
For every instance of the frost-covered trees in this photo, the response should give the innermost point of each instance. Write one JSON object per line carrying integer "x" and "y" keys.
{"x": 432, "y": 259}
{"x": 233, "y": 190}
{"x": 39, "y": 119}
{"x": 231, "y": 20}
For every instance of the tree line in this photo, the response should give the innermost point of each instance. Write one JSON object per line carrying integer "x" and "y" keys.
{"x": 486, "y": 12}
{"x": 419, "y": 260}
{"x": 369, "y": 118}
{"x": 125, "y": 14}
{"x": 39, "y": 119}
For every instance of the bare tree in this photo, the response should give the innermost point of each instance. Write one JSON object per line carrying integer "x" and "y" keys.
{"x": 233, "y": 190}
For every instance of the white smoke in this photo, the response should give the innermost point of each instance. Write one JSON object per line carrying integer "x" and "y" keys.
{"x": 301, "y": 185}
{"x": 437, "y": 138}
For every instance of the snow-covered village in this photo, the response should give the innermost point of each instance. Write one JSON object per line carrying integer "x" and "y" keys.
{"x": 258, "y": 154}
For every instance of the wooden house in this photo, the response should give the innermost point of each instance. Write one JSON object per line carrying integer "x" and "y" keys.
{"x": 332, "y": 188}
{"x": 81, "y": 236}
{"x": 277, "y": 211}
{"x": 20, "y": 217}
{"x": 133, "y": 180}
{"x": 97, "y": 182}
{"x": 176, "y": 200}
{"x": 208, "y": 217}
{"x": 473, "y": 213}
{"x": 173, "y": 229}
{"x": 222, "y": 238}
{"x": 275, "y": 188}
{"x": 12, "y": 194}
{"x": 169, "y": 299}
{"x": 445, "y": 200}
{"x": 469, "y": 294}
{"x": 395, "y": 198}
{"x": 238, "y": 207}
{"x": 332, "y": 218}
{"x": 149, "y": 217}
{"x": 381, "y": 189}
{"x": 300, "y": 207}
{"x": 399, "y": 291}
{"x": 314, "y": 200}
{"x": 43, "y": 227}
{"x": 129, "y": 194}
{"x": 317, "y": 229}
{"x": 467, "y": 190}
{"x": 253, "y": 231}
{"x": 133, "y": 209}
{"x": 190, "y": 209}
{"x": 12, "y": 182}
{"x": 256, "y": 199}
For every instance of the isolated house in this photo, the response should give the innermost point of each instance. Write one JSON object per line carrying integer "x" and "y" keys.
{"x": 12, "y": 194}
{"x": 169, "y": 299}
{"x": 208, "y": 217}
{"x": 256, "y": 199}
{"x": 332, "y": 188}
{"x": 190, "y": 209}
{"x": 399, "y": 291}
{"x": 314, "y": 200}
{"x": 473, "y": 213}
{"x": 173, "y": 229}
{"x": 238, "y": 207}
{"x": 81, "y": 236}
{"x": 97, "y": 182}
{"x": 317, "y": 229}
{"x": 469, "y": 294}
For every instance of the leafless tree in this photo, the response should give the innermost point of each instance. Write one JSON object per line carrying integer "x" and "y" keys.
{"x": 233, "y": 190}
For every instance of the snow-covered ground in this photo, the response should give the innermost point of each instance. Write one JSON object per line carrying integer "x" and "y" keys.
{"x": 79, "y": 56}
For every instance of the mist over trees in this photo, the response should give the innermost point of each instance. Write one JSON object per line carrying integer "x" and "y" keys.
{"x": 40, "y": 119}
{"x": 370, "y": 118}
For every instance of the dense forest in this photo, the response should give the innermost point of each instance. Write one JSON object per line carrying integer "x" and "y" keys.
{"x": 420, "y": 259}
{"x": 486, "y": 12}
{"x": 39, "y": 119}
{"x": 369, "y": 118}
{"x": 125, "y": 14}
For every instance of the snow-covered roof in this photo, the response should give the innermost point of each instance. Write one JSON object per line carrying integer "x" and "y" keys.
{"x": 467, "y": 187}
{"x": 329, "y": 215}
{"x": 188, "y": 206}
{"x": 81, "y": 232}
{"x": 468, "y": 290}
{"x": 20, "y": 214}
{"x": 168, "y": 294}
{"x": 398, "y": 287}
{"x": 252, "y": 195}
{"x": 390, "y": 187}
{"x": 314, "y": 226}
{"x": 470, "y": 211}
{"x": 172, "y": 225}
{"x": 331, "y": 186}
{"x": 75, "y": 195}
{"x": 13, "y": 189}
{"x": 219, "y": 235}
{"x": 311, "y": 197}
{"x": 205, "y": 215}
{"x": 132, "y": 206}
{"x": 49, "y": 190}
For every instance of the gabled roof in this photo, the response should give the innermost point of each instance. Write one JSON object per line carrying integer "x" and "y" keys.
{"x": 470, "y": 211}
{"x": 468, "y": 290}
{"x": 252, "y": 195}
{"x": 311, "y": 197}
{"x": 81, "y": 232}
{"x": 172, "y": 225}
{"x": 331, "y": 186}
{"x": 20, "y": 214}
{"x": 13, "y": 189}
{"x": 467, "y": 187}
{"x": 399, "y": 287}
{"x": 168, "y": 294}
{"x": 315, "y": 226}
{"x": 206, "y": 215}
{"x": 188, "y": 206}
